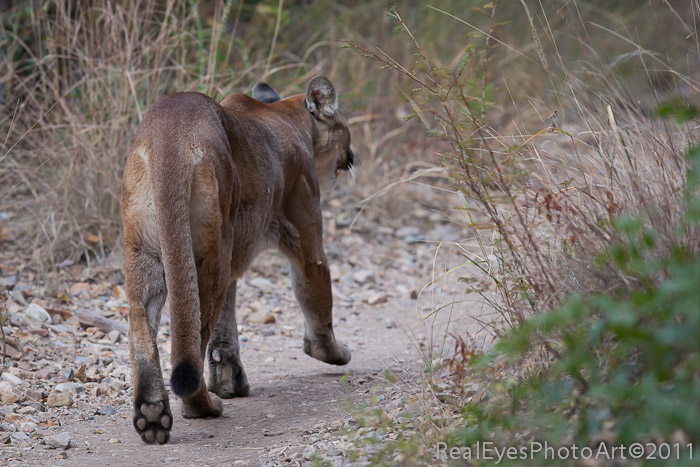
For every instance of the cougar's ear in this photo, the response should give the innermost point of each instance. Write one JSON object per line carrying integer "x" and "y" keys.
{"x": 263, "y": 92}
{"x": 321, "y": 99}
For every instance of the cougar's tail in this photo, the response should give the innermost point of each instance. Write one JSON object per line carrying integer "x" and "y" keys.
{"x": 172, "y": 182}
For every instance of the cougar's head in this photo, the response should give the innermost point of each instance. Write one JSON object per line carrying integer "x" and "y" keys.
{"x": 332, "y": 137}
{"x": 332, "y": 152}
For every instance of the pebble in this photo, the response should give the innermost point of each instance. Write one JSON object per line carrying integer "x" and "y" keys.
{"x": 69, "y": 388}
{"x": 362, "y": 276}
{"x": 36, "y": 312}
{"x": 372, "y": 436}
{"x": 17, "y": 295}
{"x": 19, "y": 436}
{"x": 7, "y": 393}
{"x": 67, "y": 374}
{"x": 407, "y": 232}
{"x": 262, "y": 317}
{"x": 390, "y": 324}
{"x": 58, "y": 441}
{"x": 114, "y": 336}
{"x": 59, "y": 400}
{"x": 8, "y": 281}
{"x": 107, "y": 410}
{"x": 15, "y": 418}
{"x": 28, "y": 427}
{"x": 5, "y": 409}
{"x": 334, "y": 452}
{"x": 376, "y": 299}
{"x": 12, "y": 379}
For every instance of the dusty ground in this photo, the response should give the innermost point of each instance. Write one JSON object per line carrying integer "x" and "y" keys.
{"x": 299, "y": 409}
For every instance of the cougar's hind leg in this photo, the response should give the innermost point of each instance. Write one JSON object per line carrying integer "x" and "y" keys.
{"x": 146, "y": 292}
{"x": 213, "y": 277}
{"x": 227, "y": 377}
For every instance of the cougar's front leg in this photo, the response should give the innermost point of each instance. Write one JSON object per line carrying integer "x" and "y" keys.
{"x": 311, "y": 280}
{"x": 301, "y": 240}
{"x": 227, "y": 377}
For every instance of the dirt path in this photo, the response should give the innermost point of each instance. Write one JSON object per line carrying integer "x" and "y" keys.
{"x": 296, "y": 404}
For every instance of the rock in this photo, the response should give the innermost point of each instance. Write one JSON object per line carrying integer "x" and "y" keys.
{"x": 372, "y": 436}
{"x": 18, "y": 296}
{"x": 62, "y": 455}
{"x": 263, "y": 284}
{"x": 114, "y": 336}
{"x": 15, "y": 418}
{"x": 89, "y": 318}
{"x": 28, "y": 427}
{"x": 362, "y": 276}
{"x": 261, "y": 317}
{"x": 80, "y": 373}
{"x": 80, "y": 288}
{"x": 376, "y": 299}
{"x": 7, "y": 393}
{"x": 4, "y": 437}
{"x": 36, "y": 312}
{"x": 67, "y": 374}
{"x": 19, "y": 436}
{"x": 10, "y": 378}
{"x": 343, "y": 220}
{"x": 58, "y": 441}
{"x": 12, "y": 306}
{"x": 69, "y": 388}
{"x": 11, "y": 352}
{"x": 334, "y": 452}
{"x": 40, "y": 331}
{"x": 107, "y": 410}
{"x": 390, "y": 324}
{"x": 38, "y": 406}
{"x": 8, "y": 281}
{"x": 407, "y": 232}
{"x": 59, "y": 400}
{"x": 93, "y": 375}
{"x": 119, "y": 293}
{"x": 35, "y": 395}
{"x": 411, "y": 410}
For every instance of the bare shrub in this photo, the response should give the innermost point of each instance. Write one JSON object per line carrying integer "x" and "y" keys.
{"x": 543, "y": 204}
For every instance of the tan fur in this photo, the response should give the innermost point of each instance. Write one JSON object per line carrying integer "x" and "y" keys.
{"x": 206, "y": 187}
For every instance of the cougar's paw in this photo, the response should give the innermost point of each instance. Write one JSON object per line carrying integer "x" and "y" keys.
{"x": 153, "y": 421}
{"x": 227, "y": 377}
{"x": 202, "y": 407}
{"x": 327, "y": 350}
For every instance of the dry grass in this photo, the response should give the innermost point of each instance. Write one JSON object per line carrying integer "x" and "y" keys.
{"x": 544, "y": 177}
{"x": 75, "y": 84}
{"x": 77, "y": 77}
{"x": 78, "y": 82}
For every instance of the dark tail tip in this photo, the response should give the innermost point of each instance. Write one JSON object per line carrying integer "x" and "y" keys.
{"x": 185, "y": 379}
